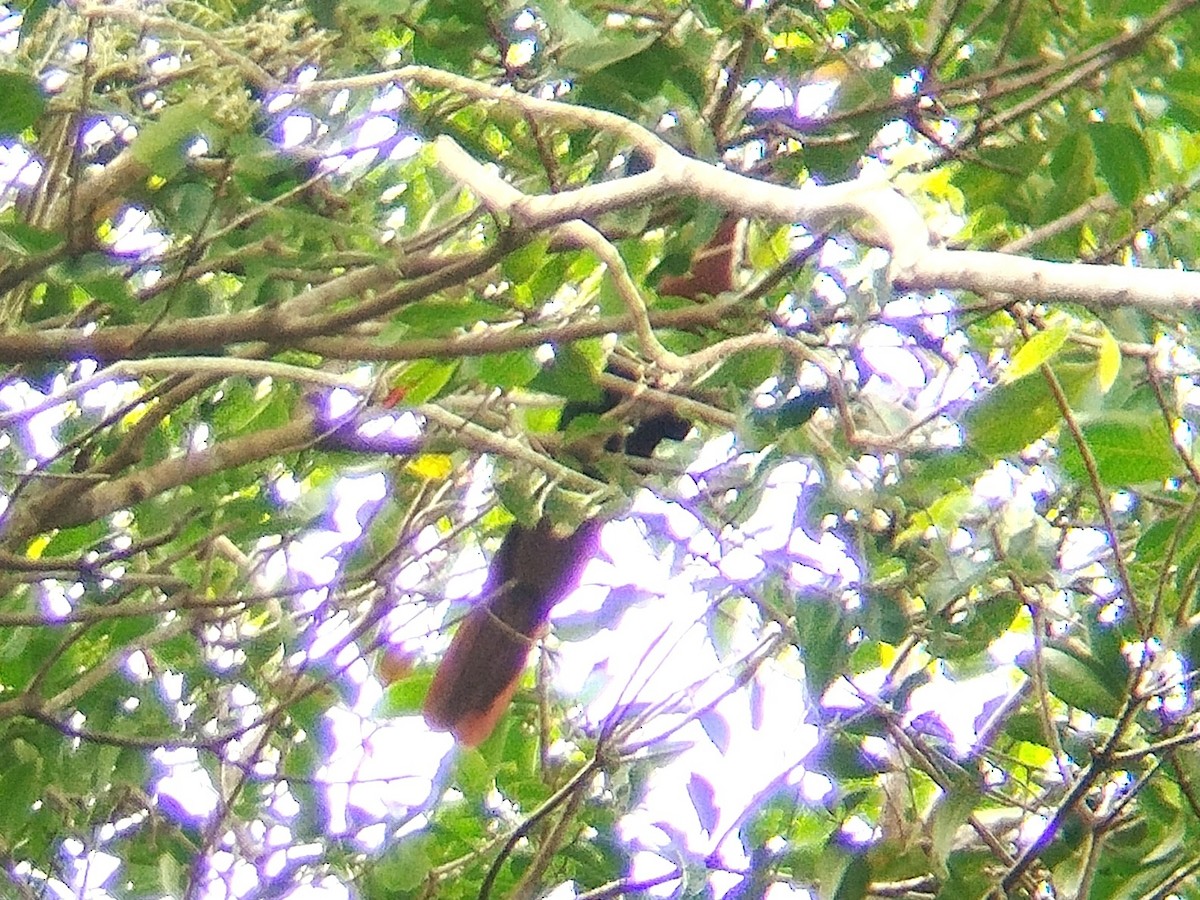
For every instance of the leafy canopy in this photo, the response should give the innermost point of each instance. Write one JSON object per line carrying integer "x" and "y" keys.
{"x": 281, "y": 285}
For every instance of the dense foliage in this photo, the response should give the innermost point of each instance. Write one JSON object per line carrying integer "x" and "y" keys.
{"x": 292, "y": 298}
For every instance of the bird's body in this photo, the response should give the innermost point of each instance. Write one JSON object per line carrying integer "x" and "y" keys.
{"x": 533, "y": 570}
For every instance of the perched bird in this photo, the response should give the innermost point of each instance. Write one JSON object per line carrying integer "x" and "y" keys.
{"x": 713, "y": 267}
{"x": 533, "y": 570}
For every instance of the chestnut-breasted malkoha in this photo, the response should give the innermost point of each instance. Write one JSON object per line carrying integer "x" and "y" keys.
{"x": 532, "y": 571}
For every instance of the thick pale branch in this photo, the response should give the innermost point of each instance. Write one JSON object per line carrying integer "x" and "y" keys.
{"x": 897, "y": 224}
{"x": 501, "y": 197}
{"x": 1096, "y": 287}
{"x": 503, "y": 339}
{"x": 896, "y": 221}
{"x": 269, "y": 324}
{"x": 121, "y": 493}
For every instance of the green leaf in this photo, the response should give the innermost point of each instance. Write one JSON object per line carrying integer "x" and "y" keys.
{"x": 623, "y": 82}
{"x": 513, "y": 369}
{"x": 1037, "y": 350}
{"x": 449, "y": 36}
{"x": 1123, "y": 160}
{"x": 33, "y": 10}
{"x": 24, "y": 238}
{"x": 951, "y": 813}
{"x": 472, "y": 773}
{"x": 423, "y": 380}
{"x": 1129, "y": 448}
{"x": 842, "y": 875}
{"x": 238, "y": 407}
{"x": 22, "y": 782}
{"x": 170, "y": 875}
{"x": 573, "y": 373}
{"x": 1072, "y": 167}
{"x": 160, "y": 145}
{"x": 855, "y": 880}
{"x": 970, "y": 876}
{"x": 1152, "y": 545}
{"x": 822, "y": 629}
{"x": 592, "y": 56}
{"x": 434, "y": 317}
{"x": 1183, "y": 98}
{"x": 583, "y": 427}
{"x": 1012, "y": 416}
{"x": 969, "y": 635}
{"x": 747, "y": 370}
{"x": 404, "y": 867}
{"x": 405, "y": 696}
{"x": 519, "y": 496}
{"x": 69, "y": 541}
{"x": 109, "y": 288}
{"x": 566, "y": 23}
{"x": 23, "y": 101}
{"x": 188, "y": 205}
{"x": 522, "y": 264}
{"x": 1073, "y": 679}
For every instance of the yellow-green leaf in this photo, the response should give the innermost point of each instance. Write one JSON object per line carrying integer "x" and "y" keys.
{"x": 431, "y": 466}
{"x": 1109, "y": 362}
{"x": 1038, "y": 349}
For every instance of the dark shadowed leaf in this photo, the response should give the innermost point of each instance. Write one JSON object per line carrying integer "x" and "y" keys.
{"x": 1123, "y": 159}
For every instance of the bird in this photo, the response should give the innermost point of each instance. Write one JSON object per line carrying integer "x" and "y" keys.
{"x": 714, "y": 266}
{"x": 535, "y": 567}
{"x": 532, "y": 571}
